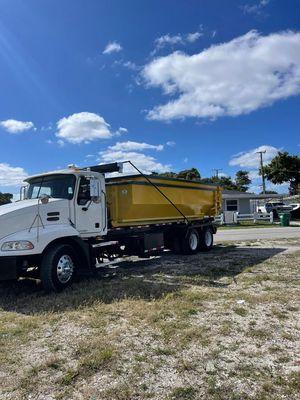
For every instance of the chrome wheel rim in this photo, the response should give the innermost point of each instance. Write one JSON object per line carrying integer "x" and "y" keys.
{"x": 65, "y": 268}
{"x": 193, "y": 241}
{"x": 208, "y": 238}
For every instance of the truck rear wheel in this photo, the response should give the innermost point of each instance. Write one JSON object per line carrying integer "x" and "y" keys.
{"x": 58, "y": 267}
{"x": 190, "y": 242}
{"x": 206, "y": 239}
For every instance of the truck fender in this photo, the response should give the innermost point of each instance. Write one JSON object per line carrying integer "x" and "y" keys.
{"x": 81, "y": 248}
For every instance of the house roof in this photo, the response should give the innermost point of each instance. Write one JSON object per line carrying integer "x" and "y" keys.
{"x": 235, "y": 194}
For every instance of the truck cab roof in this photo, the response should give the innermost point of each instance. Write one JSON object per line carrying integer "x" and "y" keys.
{"x": 96, "y": 170}
{"x": 66, "y": 171}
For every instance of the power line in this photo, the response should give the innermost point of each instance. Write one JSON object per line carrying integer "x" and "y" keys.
{"x": 262, "y": 170}
{"x": 217, "y": 171}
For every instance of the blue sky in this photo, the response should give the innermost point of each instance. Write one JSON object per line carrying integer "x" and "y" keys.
{"x": 170, "y": 85}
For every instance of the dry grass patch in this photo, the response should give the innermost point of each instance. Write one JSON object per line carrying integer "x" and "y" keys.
{"x": 220, "y": 326}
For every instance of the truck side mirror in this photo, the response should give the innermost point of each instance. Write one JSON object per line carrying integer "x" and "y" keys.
{"x": 95, "y": 190}
{"x": 23, "y": 192}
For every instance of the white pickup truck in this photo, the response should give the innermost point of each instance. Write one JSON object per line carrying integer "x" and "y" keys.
{"x": 62, "y": 226}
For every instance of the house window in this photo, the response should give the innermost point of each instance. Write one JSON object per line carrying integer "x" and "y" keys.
{"x": 231, "y": 205}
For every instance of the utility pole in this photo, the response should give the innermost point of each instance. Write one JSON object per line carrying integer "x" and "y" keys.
{"x": 262, "y": 170}
{"x": 217, "y": 172}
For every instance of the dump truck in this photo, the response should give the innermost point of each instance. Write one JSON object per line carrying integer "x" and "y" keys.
{"x": 76, "y": 221}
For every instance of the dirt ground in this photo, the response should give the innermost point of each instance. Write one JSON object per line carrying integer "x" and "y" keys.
{"x": 214, "y": 326}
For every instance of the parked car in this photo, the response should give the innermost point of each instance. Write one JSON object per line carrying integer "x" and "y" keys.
{"x": 295, "y": 213}
{"x": 276, "y": 207}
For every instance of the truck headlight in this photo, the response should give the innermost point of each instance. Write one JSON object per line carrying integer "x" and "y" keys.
{"x": 17, "y": 245}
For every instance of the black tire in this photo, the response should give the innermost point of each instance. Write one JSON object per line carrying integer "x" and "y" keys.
{"x": 206, "y": 239}
{"x": 189, "y": 242}
{"x": 58, "y": 268}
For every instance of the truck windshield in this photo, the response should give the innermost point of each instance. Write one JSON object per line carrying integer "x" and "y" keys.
{"x": 60, "y": 186}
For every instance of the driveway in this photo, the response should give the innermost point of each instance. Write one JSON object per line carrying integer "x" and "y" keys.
{"x": 257, "y": 233}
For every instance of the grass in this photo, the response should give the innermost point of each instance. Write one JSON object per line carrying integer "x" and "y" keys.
{"x": 98, "y": 359}
{"x": 176, "y": 327}
{"x": 183, "y": 393}
{"x": 250, "y": 224}
{"x": 241, "y": 311}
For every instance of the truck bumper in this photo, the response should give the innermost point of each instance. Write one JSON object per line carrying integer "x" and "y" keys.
{"x": 8, "y": 268}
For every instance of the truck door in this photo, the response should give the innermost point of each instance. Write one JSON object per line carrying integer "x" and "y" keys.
{"x": 90, "y": 212}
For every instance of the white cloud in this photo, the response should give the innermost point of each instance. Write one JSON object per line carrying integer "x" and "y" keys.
{"x": 192, "y": 37}
{"x": 256, "y": 8}
{"x": 112, "y": 47}
{"x": 127, "y": 64}
{"x": 229, "y": 79}
{"x": 251, "y": 158}
{"x": 145, "y": 163}
{"x": 11, "y": 176}
{"x": 172, "y": 40}
{"x": 132, "y": 151}
{"x": 131, "y": 65}
{"x": 254, "y": 174}
{"x": 83, "y": 127}
{"x": 167, "y": 39}
{"x": 134, "y": 146}
{"x": 49, "y": 127}
{"x": 282, "y": 188}
{"x": 120, "y": 131}
{"x": 60, "y": 143}
{"x": 171, "y": 143}
{"x": 89, "y": 157}
{"x": 14, "y": 126}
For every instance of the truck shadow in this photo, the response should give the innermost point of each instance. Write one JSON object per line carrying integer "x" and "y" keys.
{"x": 145, "y": 279}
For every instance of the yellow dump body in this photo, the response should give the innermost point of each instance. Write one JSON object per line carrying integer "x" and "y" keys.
{"x": 132, "y": 200}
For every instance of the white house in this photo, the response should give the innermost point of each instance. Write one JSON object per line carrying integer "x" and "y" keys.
{"x": 241, "y": 202}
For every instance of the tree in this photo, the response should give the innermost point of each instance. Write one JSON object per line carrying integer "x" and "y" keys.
{"x": 227, "y": 183}
{"x": 224, "y": 181}
{"x": 190, "y": 174}
{"x": 165, "y": 174}
{"x": 5, "y": 198}
{"x": 242, "y": 180}
{"x": 285, "y": 168}
{"x": 269, "y": 192}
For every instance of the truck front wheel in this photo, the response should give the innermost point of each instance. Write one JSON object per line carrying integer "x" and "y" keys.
{"x": 58, "y": 267}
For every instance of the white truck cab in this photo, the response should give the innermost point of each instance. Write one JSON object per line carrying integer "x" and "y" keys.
{"x": 57, "y": 204}
{"x": 67, "y": 204}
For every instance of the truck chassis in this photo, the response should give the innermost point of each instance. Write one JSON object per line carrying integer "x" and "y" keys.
{"x": 67, "y": 258}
